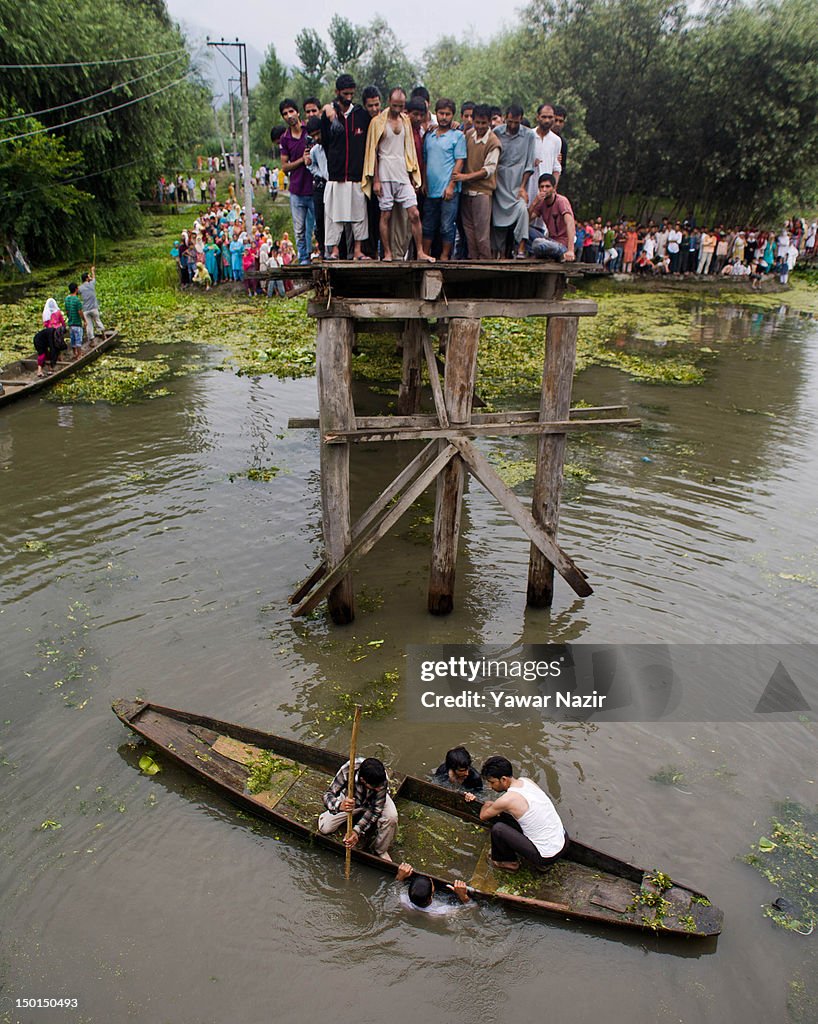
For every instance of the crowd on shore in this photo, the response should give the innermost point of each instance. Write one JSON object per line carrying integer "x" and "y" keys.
{"x": 409, "y": 181}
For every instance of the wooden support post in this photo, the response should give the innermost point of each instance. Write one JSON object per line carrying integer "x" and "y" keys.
{"x": 333, "y": 349}
{"x": 412, "y": 375}
{"x": 459, "y": 378}
{"x": 555, "y": 403}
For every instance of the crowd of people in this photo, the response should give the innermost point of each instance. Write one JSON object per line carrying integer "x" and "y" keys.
{"x": 221, "y": 247}
{"x": 415, "y": 181}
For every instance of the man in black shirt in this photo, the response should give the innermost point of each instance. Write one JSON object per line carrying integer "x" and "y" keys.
{"x": 344, "y": 126}
{"x": 457, "y": 769}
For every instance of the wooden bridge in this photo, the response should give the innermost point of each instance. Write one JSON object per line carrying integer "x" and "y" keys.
{"x": 418, "y": 300}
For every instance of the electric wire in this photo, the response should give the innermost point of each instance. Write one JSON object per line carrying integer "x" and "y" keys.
{"x": 100, "y": 113}
{"x": 90, "y": 63}
{"x": 93, "y": 96}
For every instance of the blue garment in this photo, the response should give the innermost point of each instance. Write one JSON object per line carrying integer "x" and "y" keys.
{"x": 440, "y": 153}
{"x": 236, "y": 254}
{"x": 303, "y": 214}
{"x": 440, "y": 215}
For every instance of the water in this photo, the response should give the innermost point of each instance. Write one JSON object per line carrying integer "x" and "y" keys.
{"x": 132, "y": 564}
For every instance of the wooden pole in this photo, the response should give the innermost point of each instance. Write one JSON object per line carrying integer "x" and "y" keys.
{"x": 412, "y": 375}
{"x": 356, "y": 721}
{"x": 555, "y": 403}
{"x": 333, "y": 353}
{"x": 459, "y": 378}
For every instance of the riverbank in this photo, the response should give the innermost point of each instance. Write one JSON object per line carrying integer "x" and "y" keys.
{"x": 659, "y": 333}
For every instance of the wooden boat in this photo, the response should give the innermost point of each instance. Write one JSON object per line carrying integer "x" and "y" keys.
{"x": 19, "y": 379}
{"x": 438, "y": 833}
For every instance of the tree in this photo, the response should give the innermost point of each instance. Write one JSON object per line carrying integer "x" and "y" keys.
{"x": 348, "y": 43}
{"x": 384, "y": 63}
{"x": 314, "y": 57}
{"x": 273, "y": 86}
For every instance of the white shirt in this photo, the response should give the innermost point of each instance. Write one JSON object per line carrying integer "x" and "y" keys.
{"x": 547, "y": 150}
{"x": 674, "y": 237}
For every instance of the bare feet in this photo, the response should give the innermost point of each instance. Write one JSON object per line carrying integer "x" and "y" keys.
{"x": 425, "y": 257}
{"x": 386, "y": 857}
{"x": 505, "y": 865}
{"x": 387, "y": 257}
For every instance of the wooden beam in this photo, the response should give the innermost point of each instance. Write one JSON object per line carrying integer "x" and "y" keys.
{"x": 333, "y": 351}
{"x": 469, "y": 309}
{"x": 555, "y": 401}
{"x": 377, "y": 529}
{"x": 434, "y": 381}
{"x": 430, "y": 420}
{"x": 411, "y": 381}
{"x": 490, "y": 479}
{"x": 420, "y": 462}
{"x": 477, "y": 430}
{"x": 459, "y": 378}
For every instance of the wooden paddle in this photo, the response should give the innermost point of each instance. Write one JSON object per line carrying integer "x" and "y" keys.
{"x": 356, "y": 721}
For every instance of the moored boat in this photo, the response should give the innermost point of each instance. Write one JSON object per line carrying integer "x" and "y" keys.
{"x": 283, "y": 780}
{"x": 19, "y": 378}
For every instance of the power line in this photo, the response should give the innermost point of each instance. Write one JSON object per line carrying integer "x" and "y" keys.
{"x": 93, "y": 96}
{"x": 88, "y": 117}
{"x": 90, "y": 63}
{"x": 82, "y": 177}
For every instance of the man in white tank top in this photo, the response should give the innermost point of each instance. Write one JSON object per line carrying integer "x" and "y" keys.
{"x": 527, "y": 826}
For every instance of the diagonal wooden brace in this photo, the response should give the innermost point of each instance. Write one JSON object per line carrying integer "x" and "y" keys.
{"x": 376, "y": 527}
{"x": 490, "y": 479}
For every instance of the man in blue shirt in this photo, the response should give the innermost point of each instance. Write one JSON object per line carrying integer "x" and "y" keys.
{"x": 444, "y": 153}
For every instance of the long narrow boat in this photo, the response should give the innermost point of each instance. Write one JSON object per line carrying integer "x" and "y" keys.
{"x": 438, "y": 832}
{"x": 19, "y": 379}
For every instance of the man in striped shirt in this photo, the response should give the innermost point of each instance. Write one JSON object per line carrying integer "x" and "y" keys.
{"x": 374, "y": 814}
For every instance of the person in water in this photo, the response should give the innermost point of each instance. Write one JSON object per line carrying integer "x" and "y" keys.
{"x": 528, "y": 827}
{"x": 457, "y": 769}
{"x": 420, "y": 893}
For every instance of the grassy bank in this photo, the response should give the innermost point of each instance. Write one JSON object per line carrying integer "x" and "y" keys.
{"x": 650, "y": 336}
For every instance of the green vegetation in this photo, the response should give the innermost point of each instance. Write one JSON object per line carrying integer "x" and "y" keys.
{"x": 264, "y": 767}
{"x": 58, "y": 192}
{"x": 789, "y": 861}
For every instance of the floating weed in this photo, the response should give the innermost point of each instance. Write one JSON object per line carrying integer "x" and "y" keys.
{"x": 377, "y": 698}
{"x": 668, "y": 775}
{"x": 513, "y": 471}
{"x": 40, "y": 546}
{"x": 113, "y": 379}
{"x": 49, "y": 825}
{"x": 788, "y": 859}
{"x": 260, "y": 473}
{"x": 262, "y": 769}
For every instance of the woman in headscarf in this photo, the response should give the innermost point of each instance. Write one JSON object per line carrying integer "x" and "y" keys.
{"x": 49, "y": 340}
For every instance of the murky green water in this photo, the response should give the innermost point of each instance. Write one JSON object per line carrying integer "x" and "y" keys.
{"x": 132, "y": 564}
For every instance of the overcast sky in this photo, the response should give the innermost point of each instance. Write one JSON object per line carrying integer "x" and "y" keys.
{"x": 260, "y": 22}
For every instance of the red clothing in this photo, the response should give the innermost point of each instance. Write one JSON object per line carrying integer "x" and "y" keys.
{"x": 553, "y": 217}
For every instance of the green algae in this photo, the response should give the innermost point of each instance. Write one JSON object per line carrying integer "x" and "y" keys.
{"x": 789, "y": 861}
{"x": 115, "y": 379}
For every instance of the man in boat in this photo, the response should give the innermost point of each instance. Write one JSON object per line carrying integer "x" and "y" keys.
{"x": 374, "y": 814}
{"x": 527, "y": 827}
{"x": 458, "y": 770}
{"x": 90, "y": 305}
{"x": 419, "y": 895}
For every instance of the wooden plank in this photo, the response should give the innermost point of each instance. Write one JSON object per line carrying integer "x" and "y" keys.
{"x": 434, "y": 380}
{"x": 411, "y": 382}
{"x": 333, "y": 350}
{"x": 423, "y": 459}
{"x": 468, "y": 309}
{"x": 490, "y": 479}
{"x": 431, "y": 285}
{"x": 477, "y": 430}
{"x": 430, "y": 420}
{"x": 555, "y": 401}
{"x": 459, "y": 379}
{"x": 368, "y": 539}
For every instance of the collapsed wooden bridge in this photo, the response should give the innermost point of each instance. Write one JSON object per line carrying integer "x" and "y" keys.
{"x": 353, "y": 298}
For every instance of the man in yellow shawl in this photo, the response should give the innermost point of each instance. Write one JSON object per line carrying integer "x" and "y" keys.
{"x": 391, "y": 170}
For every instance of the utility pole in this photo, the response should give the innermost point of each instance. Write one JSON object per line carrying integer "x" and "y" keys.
{"x": 222, "y": 46}
{"x": 234, "y": 153}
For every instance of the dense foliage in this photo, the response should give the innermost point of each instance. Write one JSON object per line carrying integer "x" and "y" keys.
{"x": 61, "y": 186}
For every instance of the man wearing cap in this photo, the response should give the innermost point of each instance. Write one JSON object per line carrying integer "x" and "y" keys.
{"x": 344, "y": 127}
